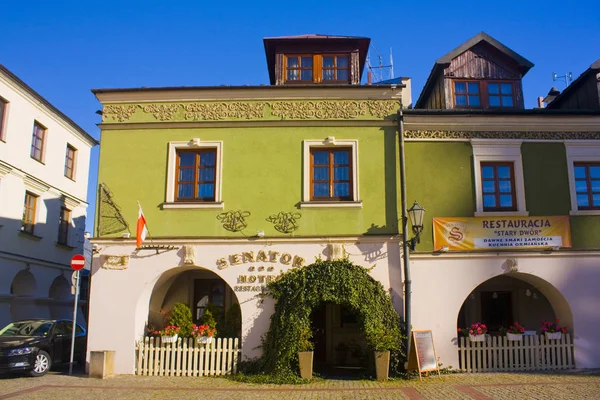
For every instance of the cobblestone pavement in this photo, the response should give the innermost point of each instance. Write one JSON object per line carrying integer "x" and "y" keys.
{"x": 580, "y": 386}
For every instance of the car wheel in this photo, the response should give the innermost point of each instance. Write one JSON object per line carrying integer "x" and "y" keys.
{"x": 42, "y": 364}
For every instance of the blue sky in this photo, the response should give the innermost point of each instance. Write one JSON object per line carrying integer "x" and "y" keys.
{"x": 64, "y": 48}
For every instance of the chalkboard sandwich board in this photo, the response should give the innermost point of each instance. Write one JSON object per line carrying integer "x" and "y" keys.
{"x": 422, "y": 353}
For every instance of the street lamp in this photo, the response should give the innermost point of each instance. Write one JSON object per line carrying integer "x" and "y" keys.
{"x": 416, "y": 213}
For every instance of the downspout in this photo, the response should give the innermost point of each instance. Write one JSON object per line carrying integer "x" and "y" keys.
{"x": 405, "y": 241}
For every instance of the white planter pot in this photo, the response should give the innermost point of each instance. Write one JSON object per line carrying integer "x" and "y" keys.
{"x": 169, "y": 339}
{"x": 477, "y": 338}
{"x": 204, "y": 339}
{"x": 515, "y": 337}
{"x": 553, "y": 335}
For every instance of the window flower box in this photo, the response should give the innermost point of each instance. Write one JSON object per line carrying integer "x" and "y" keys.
{"x": 553, "y": 335}
{"x": 204, "y": 339}
{"x": 169, "y": 339}
{"x": 477, "y": 338}
{"x": 514, "y": 337}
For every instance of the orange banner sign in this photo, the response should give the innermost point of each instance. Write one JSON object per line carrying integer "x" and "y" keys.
{"x": 484, "y": 233}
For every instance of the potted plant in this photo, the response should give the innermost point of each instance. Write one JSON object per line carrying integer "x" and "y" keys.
{"x": 476, "y": 332}
{"x": 169, "y": 334}
{"x": 305, "y": 353}
{"x": 382, "y": 356}
{"x": 203, "y": 333}
{"x": 552, "y": 330}
{"x": 515, "y": 332}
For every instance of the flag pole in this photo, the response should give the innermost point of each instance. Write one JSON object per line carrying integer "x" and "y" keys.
{"x": 145, "y": 223}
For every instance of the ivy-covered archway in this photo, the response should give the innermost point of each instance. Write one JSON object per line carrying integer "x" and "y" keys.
{"x": 299, "y": 291}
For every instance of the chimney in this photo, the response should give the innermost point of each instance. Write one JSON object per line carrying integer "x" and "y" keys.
{"x": 552, "y": 94}
{"x": 369, "y": 78}
{"x": 540, "y": 102}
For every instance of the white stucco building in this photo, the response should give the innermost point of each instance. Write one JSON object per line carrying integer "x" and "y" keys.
{"x": 44, "y": 166}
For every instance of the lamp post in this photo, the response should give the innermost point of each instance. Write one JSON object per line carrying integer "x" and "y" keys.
{"x": 415, "y": 213}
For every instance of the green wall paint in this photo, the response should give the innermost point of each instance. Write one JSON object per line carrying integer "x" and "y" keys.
{"x": 546, "y": 179}
{"x": 585, "y": 232}
{"x": 262, "y": 174}
{"x": 439, "y": 177}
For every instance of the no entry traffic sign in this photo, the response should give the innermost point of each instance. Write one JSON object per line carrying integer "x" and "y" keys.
{"x": 77, "y": 262}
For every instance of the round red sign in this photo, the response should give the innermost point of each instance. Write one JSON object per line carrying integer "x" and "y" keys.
{"x": 77, "y": 262}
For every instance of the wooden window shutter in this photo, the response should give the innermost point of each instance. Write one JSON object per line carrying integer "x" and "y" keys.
{"x": 279, "y": 69}
{"x": 354, "y": 68}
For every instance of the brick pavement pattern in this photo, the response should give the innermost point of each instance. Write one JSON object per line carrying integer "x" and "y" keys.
{"x": 581, "y": 386}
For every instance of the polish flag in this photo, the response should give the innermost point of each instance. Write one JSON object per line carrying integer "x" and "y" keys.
{"x": 142, "y": 228}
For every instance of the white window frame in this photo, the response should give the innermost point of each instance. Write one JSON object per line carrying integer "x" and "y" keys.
{"x": 580, "y": 151}
{"x": 329, "y": 143}
{"x": 193, "y": 144}
{"x": 485, "y": 150}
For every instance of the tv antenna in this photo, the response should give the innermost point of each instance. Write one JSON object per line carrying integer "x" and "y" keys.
{"x": 567, "y": 77}
{"x": 379, "y": 75}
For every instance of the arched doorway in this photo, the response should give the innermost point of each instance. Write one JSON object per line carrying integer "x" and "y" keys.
{"x": 502, "y": 300}
{"x": 199, "y": 289}
{"x": 23, "y": 304}
{"x": 340, "y": 347}
{"x": 301, "y": 292}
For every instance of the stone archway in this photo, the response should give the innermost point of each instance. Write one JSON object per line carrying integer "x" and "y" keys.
{"x": 298, "y": 292}
{"x": 23, "y": 305}
{"x": 180, "y": 285}
{"x": 60, "y": 293}
{"x": 517, "y": 296}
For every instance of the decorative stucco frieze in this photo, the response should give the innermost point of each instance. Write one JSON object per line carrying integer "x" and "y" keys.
{"x": 162, "y": 112}
{"x": 332, "y": 109}
{"x": 224, "y": 110}
{"x": 117, "y": 112}
{"x": 250, "y": 110}
{"x": 115, "y": 262}
{"x": 440, "y": 134}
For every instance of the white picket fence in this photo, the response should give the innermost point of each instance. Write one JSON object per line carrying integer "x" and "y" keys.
{"x": 534, "y": 352}
{"x": 186, "y": 357}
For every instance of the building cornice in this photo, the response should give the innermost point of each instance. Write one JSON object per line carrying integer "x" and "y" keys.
{"x": 240, "y": 93}
{"x": 38, "y": 100}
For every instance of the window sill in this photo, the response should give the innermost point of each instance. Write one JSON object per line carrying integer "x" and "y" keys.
{"x": 69, "y": 178}
{"x": 192, "y": 206}
{"x": 64, "y": 246}
{"x": 502, "y": 213}
{"x": 40, "y": 161}
{"x": 30, "y": 236}
{"x": 585, "y": 212}
{"x": 331, "y": 204}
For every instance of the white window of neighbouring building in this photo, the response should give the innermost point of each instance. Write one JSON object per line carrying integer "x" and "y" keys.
{"x": 498, "y": 173}
{"x": 330, "y": 173}
{"x": 583, "y": 164}
{"x": 194, "y": 174}
{"x": 3, "y": 118}
{"x": 29, "y": 212}
{"x": 38, "y": 141}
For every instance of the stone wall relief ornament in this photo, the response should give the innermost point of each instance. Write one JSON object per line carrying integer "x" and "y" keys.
{"x": 189, "y": 255}
{"x": 440, "y": 134}
{"x": 115, "y": 262}
{"x": 285, "y": 222}
{"x": 335, "y": 252}
{"x": 234, "y": 221}
{"x": 117, "y": 112}
{"x": 319, "y": 109}
{"x": 382, "y": 109}
{"x": 162, "y": 112}
{"x": 224, "y": 110}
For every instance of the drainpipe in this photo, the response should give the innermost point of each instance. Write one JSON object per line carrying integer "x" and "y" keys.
{"x": 405, "y": 242}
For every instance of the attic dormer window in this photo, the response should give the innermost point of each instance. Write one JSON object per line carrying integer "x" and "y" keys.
{"x": 317, "y": 68}
{"x": 466, "y": 94}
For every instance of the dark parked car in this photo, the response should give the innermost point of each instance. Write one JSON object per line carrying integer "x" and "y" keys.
{"x": 35, "y": 345}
